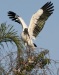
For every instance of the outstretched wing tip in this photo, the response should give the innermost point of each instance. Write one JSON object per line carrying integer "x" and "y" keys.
{"x": 9, "y": 12}
{"x": 13, "y": 16}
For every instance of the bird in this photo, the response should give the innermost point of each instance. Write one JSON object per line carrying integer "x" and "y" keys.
{"x": 36, "y": 24}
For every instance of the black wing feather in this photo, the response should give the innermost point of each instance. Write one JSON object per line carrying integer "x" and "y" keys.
{"x": 13, "y": 16}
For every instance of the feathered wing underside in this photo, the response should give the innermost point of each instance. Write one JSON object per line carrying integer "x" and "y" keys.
{"x": 14, "y": 17}
{"x": 38, "y": 19}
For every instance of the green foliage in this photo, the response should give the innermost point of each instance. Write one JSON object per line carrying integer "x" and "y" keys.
{"x": 8, "y": 34}
{"x": 33, "y": 61}
{"x": 23, "y": 66}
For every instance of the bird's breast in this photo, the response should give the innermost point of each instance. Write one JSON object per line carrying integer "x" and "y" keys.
{"x": 25, "y": 37}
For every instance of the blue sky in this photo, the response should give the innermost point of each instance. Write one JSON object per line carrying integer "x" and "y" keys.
{"x": 49, "y": 36}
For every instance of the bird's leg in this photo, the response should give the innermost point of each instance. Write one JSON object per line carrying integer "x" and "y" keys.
{"x": 28, "y": 51}
{"x": 26, "y": 45}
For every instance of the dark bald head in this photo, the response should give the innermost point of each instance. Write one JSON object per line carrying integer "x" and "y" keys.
{"x": 26, "y": 31}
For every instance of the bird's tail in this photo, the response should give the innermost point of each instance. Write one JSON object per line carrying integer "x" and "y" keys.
{"x": 34, "y": 45}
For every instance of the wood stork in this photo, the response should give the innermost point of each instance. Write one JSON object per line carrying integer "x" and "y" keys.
{"x": 37, "y": 23}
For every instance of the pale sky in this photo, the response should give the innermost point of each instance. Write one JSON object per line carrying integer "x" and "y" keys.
{"x": 49, "y": 36}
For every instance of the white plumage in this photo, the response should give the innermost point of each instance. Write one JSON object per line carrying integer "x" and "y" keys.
{"x": 33, "y": 22}
{"x": 37, "y": 23}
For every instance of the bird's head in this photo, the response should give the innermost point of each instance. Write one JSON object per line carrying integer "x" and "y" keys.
{"x": 26, "y": 31}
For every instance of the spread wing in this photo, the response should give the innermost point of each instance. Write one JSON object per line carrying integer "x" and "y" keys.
{"x": 39, "y": 18}
{"x": 14, "y": 17}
